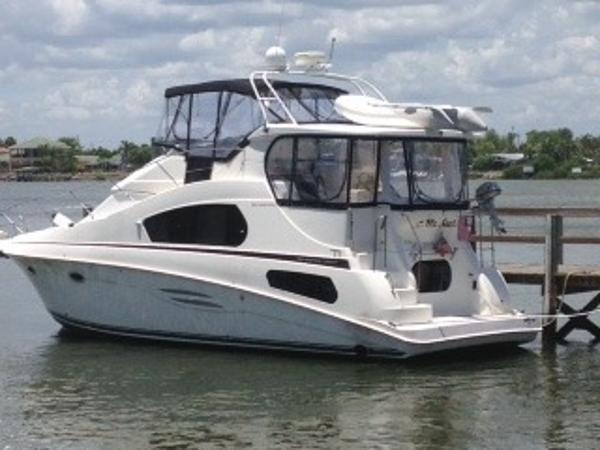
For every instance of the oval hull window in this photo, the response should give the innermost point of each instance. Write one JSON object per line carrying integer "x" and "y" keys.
{"x": 308, "y": 285}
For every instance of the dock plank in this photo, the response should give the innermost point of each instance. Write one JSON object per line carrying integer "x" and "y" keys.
{"x": 580, "y": 278}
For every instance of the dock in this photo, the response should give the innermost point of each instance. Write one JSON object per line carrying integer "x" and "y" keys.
{"x": 556, "y": 279}
{"x": 578, "y": 278}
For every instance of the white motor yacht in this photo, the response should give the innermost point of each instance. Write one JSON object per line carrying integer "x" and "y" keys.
{"x": 294, "y": 209}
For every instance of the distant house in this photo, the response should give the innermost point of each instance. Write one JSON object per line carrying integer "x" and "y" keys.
{"x": 30, "y": 153}
{"x": 90, "y": 163}
{"x": 508, "y": 159}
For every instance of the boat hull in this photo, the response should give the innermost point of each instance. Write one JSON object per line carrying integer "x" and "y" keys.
{"x": 150, "y": 304}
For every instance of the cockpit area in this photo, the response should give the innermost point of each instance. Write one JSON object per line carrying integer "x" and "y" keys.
{"x": 211, "y": 121}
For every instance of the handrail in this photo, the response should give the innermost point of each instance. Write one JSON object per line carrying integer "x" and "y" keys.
{"x": 525, "y": 239}
{"x": 264, "y": 75}
{"x": 569, "y": 212}
{"x": 562, "y": 211}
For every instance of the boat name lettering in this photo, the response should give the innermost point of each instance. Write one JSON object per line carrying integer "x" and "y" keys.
{"x": 433, "y": 223}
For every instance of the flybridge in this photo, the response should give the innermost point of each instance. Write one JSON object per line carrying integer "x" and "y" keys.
{"x": 366, "y": 105}
{"x": 214, "y": 119}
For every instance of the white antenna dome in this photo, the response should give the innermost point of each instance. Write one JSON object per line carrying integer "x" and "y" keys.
{"x": 311, "y": 61}
{"x": 276, "y": 59}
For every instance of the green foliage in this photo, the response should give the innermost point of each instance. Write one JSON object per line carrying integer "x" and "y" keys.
{"x": 556, "y": 144}
{"x": 9, "y": 141}
{"x": 73, "y": 143}
{"x": 58, "y": 160}
{"x": 553, "y": 153}
{"x": 493, "y": 142}
{"x": 484, "y": 162}
{"x": 101, "y": 152}
{"x": 513, "y": 173}
{"x": 134, "y": 155}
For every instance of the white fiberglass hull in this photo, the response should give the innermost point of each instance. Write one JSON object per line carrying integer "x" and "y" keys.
{"x": 157, "y": 305}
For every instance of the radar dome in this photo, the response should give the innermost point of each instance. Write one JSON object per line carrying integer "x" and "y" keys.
{"x": 276, "y": 58}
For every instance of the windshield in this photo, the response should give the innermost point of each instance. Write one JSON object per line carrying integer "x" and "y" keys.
{"x": 213, "y": 120}
{"x": 404, "y": 173}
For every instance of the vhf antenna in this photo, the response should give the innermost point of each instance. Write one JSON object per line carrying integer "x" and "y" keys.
{"x": 331, "y": 49}
{"x": 280, "y": 23}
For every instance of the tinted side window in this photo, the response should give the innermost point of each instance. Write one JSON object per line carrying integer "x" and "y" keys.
{"x": 313, "y": 286}
{"x": 202, "y": 224}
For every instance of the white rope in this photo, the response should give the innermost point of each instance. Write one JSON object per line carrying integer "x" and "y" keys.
{"x": 559, "y": 316}
{"x": 554, "y": 317}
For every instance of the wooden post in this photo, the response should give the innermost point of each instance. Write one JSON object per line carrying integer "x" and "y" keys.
{"x": 552, "y": 258}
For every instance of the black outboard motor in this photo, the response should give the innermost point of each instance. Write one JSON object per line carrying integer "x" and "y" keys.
{"x": 484, "y": 196}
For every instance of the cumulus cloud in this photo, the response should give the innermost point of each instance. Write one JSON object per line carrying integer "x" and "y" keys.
{"x": 97, "y": 68}
{"x": 71, "y": 15}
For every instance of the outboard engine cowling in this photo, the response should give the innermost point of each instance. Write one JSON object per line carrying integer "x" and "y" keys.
{"x": 484, "y": 196}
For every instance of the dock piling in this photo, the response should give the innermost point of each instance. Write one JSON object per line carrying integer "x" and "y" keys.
{"x": 553, "y": 256}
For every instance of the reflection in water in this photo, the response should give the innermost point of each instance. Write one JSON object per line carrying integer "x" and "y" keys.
{"x": 123, "y": 394}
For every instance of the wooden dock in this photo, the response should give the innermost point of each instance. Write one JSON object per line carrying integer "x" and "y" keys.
{"x": 578, "y": 278}
{"x": 557, "y": 280}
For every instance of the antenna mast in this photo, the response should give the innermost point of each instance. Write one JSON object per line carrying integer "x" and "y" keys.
{"x": 332, "y": 49}
{"x": 280, "y": 23}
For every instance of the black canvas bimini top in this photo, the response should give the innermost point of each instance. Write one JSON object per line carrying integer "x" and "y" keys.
{"x": 242, "y": 86}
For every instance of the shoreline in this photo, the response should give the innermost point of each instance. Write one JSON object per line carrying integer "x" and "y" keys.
{"x": 14, "y": 177}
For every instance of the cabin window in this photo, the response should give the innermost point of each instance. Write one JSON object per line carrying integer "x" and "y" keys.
{"x": 437, "y": 175}
{"x": 309, "y": 170}
{"x": 363, "y": 177}
{"x": 432, "y": 276}
{"x": 279, "y": 168}
{"x": 341, "y": 172}
{"x": 200, "y": 224}
{"x": 308, "y": 285}
{"x": 320, "y": 170}
{"x": 393, "y": 174}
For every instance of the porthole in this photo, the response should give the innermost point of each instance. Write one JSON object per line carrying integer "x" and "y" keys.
{"x": 77, "y": 277}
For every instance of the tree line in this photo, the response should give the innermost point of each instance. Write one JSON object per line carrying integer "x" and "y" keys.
{"x": 551, "y": 153}
{"x": 132, "y": 155}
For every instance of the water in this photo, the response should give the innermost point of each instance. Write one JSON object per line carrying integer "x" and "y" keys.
{"x": 59, "y": 391}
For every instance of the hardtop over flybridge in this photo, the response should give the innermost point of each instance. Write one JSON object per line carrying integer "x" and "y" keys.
{"x": 293, "y": 209}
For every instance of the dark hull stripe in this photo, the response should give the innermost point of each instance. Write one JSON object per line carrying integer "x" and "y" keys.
{"x": 184, "y": 292}
{"x": 337, "y": 263}
{"x": 187, "y": 301}
{"x": 222, "y": 340}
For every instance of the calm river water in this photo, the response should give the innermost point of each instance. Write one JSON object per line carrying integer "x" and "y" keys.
{"x": 63, "y": 392}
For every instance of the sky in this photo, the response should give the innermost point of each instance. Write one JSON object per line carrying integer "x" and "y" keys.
{"x": 97, "y": 69}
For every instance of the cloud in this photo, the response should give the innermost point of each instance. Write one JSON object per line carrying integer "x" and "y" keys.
{"x": 71, "y": 15}
{"x": 98, "y": 68}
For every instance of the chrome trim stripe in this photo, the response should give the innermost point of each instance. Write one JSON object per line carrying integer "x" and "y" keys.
{"x": 338, "y": 263}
